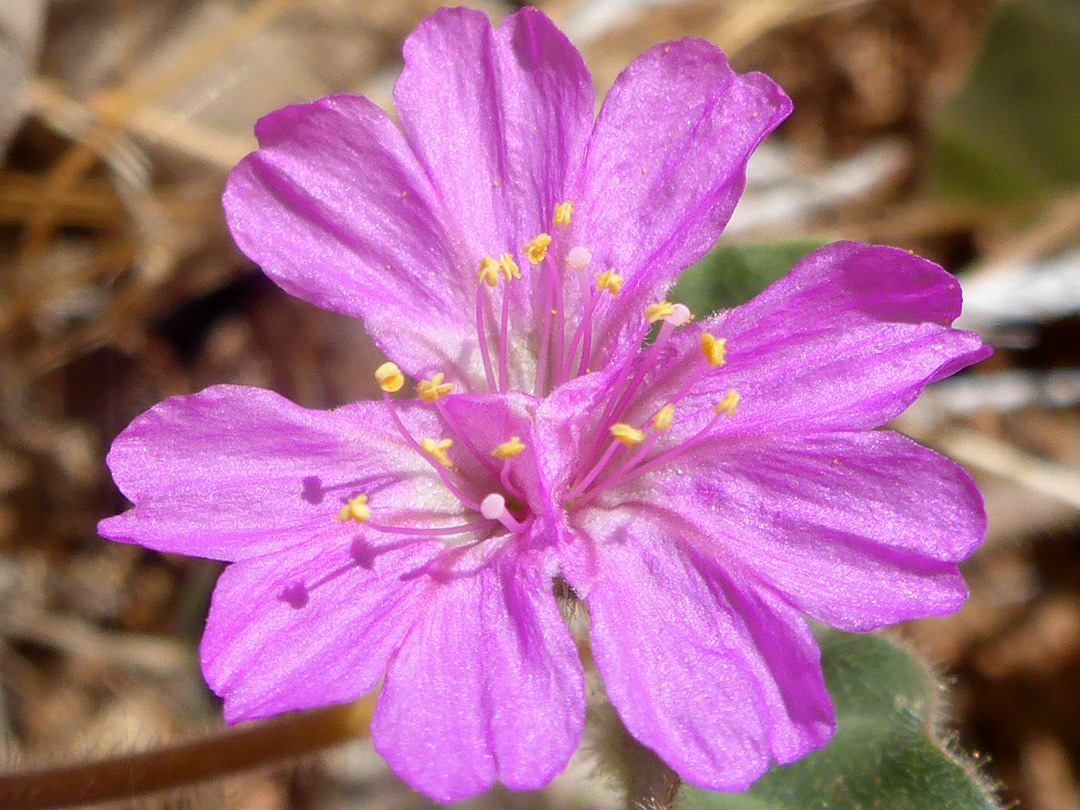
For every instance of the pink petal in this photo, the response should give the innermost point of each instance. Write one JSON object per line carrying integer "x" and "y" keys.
{"x": 846, "y": 340}
{"x": 666, "y": 165}
{"x": 857, "y": 530}
{"x": 486, "y": 686}
{"x": 231, "y": 472}
{"x": 499, "y": 120}
{"x": 311, "y": 626}
{"x": 716, "y": 678}
{"x": 335, "y": 208}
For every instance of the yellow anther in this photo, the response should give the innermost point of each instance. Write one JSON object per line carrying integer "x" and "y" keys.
{"x": 562, "y": 213}
{"x": 714, "y": 349}
{"x": 536, "y": 250}
{"x": 662, "y": 420}
{"x": 609, "y": 280}
{"x": 626, "y": 434}
{"x": 729, "y": 403}
{"x": 389, "y": 377}
{"x": 433, "y": 389}
{"x": 508, "y": 449}
{"x": 489, "y": 271}
{"x": 355, "y": 508}
{"x": 437, "y": 450}
{"x": 509, "y": 267}
{"x": 658, "y": 311}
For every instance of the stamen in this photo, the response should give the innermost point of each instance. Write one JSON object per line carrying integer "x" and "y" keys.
{"x": 389, "y": 377}
{"x": 558, "y": 363}
{"x": 627, "y": 434}
{"x": 423, "y": 531}
{"x": 436, "y": 465}
{"x": 489, "y": 271}
{"x": 662, "y": 420}
{"x": 578, "y": 257}
{"x": 481, "y": 336}
{"x": 621, "y": 394}
{"x": 509, "y": 267}
{"x": 355, "y": 508}
{"x": 584, "y": 330}
{"x": 493, "y": 507}
{"x": 725, "y": 407}
{"x": 714, "y": 349}
{"x": 659, "y": 311}
{"x": 674, "y": 315}
{"x": 584, "y": 483}
{"x": 728, "y": 404}
{"x": 537, "y": 247}
{"x": 433, "y": 389}
{"x": 508, "y": 449}
{"x": 609, "y": 280}
{"x": 545, "y": 336}
{"x": 504, "y": 332}
{"x": 437, "y": 450}
{"x": 711, "y": 349}
{"x": 562, "y": 214}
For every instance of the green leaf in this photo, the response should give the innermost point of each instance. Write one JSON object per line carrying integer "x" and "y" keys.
{"x": 885, "y": 754}
{"x": 732, "y": 274}
{"x": 1011, "y": 132}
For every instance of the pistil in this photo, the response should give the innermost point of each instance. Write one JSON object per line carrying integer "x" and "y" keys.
{"x": 493, "y": 507}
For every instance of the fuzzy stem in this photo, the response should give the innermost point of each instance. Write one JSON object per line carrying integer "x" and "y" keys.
{"x": 225, "y": 752}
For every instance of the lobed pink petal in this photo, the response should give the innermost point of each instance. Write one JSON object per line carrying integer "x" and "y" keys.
{"x": 666, "y": 165}
{"x": 499, "y": 119}
{"x": 486, "y": 686}
{"x": 857, "y": 530}
{"x": 719, "y": 679}
{"x": 336, "y": 209}
{"x": 847, "y": 340}
{"x": 232, "y": 472}
{"x": 311, "y": 625}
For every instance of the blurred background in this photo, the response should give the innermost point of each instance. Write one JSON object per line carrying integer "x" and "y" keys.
{"x": 950, "y": 128}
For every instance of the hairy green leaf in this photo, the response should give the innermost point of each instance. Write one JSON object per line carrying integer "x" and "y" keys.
{"x": 886, "y": 753}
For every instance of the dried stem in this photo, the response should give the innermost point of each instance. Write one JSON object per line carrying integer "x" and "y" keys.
{"x": 226, "y": 752}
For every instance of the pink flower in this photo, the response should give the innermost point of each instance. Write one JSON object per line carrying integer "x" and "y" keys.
{"x": 700, "y": 495}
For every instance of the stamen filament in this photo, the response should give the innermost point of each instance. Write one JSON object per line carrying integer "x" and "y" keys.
{"x": 504, "y": 478}
{"x": 545, "y": 337}
{"x": 618, "y": 403}
{"x": 456, "y": 429}
{"x": 435, "y": 465}
{"x": 624, "y": 372}
{"x": 623, "y": 468}
{"x": 623, "y": 475}
{"x": 645, "y": 365}
{"x": 427, "y": 531}
{"x": 612, "y": 449}
{"x": 560, "y": 326}
{"x": 482, "y": 339}
{"x": 583, "y": 333}
{"x": 504, "y": 332}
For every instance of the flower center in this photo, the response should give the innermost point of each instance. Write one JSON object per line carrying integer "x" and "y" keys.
{"x": 629, "y": 440}
{"x": 483, "y": 486}
{"x": 561, "y": 354}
